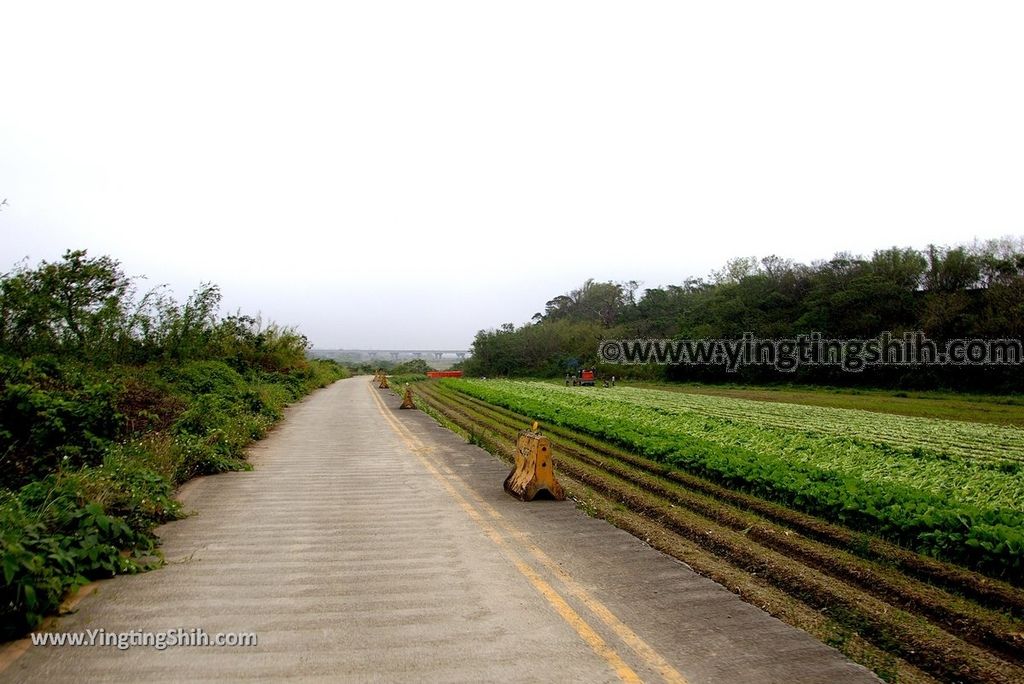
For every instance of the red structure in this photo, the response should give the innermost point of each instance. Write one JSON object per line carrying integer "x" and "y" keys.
{"x": 444, "y": 374}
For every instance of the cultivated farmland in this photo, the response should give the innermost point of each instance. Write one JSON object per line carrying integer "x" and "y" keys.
{"x": 897, "y": 539}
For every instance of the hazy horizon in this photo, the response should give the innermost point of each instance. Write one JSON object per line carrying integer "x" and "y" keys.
{"x": 403, "y": 175}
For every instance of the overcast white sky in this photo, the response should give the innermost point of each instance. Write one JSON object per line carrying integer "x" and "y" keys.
{"x": 402, "y": 174}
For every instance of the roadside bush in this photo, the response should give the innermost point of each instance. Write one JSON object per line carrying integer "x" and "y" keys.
{"x": 53, "y": 539}
{"x": 196, "y": 378}
{"x": 106, "y": 404}
{"x": 412, "y": 367}
{"x": 53, "y": 416}
{"x": 398, "y": 382}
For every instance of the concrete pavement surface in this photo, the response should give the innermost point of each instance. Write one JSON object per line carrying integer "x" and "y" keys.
{"x": 370, "y": 544}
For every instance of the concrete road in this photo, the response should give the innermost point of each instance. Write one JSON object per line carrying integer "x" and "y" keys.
{"x": 369, "y": 544}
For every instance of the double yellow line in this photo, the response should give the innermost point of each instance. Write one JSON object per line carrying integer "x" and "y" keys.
{"x": 445, "y": 476}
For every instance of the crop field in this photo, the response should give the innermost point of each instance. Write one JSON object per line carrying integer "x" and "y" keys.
{"x": 897, "y": 539}
{"x": 977, "y": 408}
{"x": 946, "y": 488}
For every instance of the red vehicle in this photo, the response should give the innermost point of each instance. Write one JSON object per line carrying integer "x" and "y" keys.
{"x": 586, "y": 377}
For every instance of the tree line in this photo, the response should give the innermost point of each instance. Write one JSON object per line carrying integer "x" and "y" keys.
{"x": 963, "y": 291}
{"x": 88, "y": 308}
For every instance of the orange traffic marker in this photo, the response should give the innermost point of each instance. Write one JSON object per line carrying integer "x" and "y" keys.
{"x": 534, "y": 470}
{"x": 407, "y": 402}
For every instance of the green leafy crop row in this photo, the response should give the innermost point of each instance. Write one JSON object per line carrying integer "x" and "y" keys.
{"x": 938, "y": 501}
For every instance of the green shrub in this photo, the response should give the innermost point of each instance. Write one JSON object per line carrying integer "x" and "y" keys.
{"x": 53, "y": 416}
{"x": 398, "y": 382}
{"x": 52, "y": 539}
{"x": 106, "y": 404}
{"x": 196, "y": 378}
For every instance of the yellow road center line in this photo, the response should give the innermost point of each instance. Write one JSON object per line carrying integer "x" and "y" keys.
{"x": 561, "y": 606}
{"x": 623, "y": 631}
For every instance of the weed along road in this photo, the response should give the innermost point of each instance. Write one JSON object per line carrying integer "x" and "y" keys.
{"x": 370, "y": 544}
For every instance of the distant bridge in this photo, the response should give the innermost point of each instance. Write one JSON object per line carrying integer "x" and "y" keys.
{"x": 391, "y": 354}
